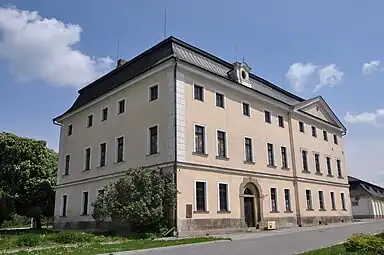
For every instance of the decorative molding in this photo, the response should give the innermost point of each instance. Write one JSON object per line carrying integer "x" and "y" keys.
{"x": 180, "y": 117}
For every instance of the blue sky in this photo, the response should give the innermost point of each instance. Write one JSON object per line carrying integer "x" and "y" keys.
{"x": 299, "y": 45}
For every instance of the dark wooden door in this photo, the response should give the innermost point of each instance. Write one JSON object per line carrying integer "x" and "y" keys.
{"x": 249, "y": 211}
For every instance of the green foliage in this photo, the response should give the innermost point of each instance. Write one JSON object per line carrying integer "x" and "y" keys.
{"x": 67, "y": 237}
{"x": 29, "y": 240}
{"x": 365, "y": 244}
{"x": 5, "y": 209}
{"x": 27, "y": 173}
{"x": 143, "y": 199}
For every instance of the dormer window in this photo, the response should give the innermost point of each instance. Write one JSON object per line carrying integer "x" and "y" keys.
{"x": 240, "y": 73}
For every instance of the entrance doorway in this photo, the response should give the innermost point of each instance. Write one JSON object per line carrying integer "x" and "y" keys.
{"x": 251, "y": 203}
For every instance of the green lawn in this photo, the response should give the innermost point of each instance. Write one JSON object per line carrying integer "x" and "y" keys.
{"x": 332, "y": 250}
{"x": 88, "y": 249}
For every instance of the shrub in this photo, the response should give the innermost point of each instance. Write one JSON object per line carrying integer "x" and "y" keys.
{"x": 29, "y": 240}
{"x": 67, "y": 237}
{"x": 365, "y": 244}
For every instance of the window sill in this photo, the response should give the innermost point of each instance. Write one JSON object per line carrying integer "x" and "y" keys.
{"x": 285, "y": 168}
{"x": 153, "y": 154}
{"x": 322, "y": 210}
{"x": 344, "y": 210}
{"x": 86, "y": 170}
{"x": 319, "y": 173}
{"x": 200, "y": 212}
{"x": 340, "y": 177}
{"x": 272, "y": 166}
{"x": 84, "y": 214}
{"x": 121, "y": 113}
{"x": 152, "y": 100}
{"x": 65, "y": 175}
{"x": 306, "y": 171}
{"x": 290, "y": 211}
{"x": 119, "y": 162}
{"x": 310, "y": 210}
{"x": 249, "y": 162}
{"x": 200, "y": 154}
{"x": 334, "y": 210}
{"x": 63, "y": 217}
{"x": 103, "y": 166}
{"x": 329, "y": 175}
{"x": 223, "y": 212}
{"x": 274, "y": 212}
{"x": 222, "y": 158}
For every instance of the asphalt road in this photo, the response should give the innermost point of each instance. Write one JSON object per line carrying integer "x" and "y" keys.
{"x": 283, "y": 242}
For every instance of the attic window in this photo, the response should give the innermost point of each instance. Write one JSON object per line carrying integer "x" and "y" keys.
{"x": 243, "y": 74}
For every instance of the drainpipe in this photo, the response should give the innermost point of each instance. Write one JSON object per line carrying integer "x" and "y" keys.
{"x": 176, "y": 230}
{"x": 294, "y": 170}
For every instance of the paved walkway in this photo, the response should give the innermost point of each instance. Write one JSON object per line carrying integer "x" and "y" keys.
{"x": 280, "y": 242}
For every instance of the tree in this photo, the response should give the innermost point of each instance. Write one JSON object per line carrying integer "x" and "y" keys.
{"x": 143, "y": 198}
{"x": 28, "y": 175}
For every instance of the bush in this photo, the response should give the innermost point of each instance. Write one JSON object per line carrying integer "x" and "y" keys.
{"x": 365, "y": 244}
{"x": 72, "y": 237}
{"x": 29, "y": 240}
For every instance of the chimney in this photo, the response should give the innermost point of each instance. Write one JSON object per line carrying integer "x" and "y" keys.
{"x": 121, "y": 62}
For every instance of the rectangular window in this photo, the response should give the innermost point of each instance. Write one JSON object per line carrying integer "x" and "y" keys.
{"x": 64, "y": 203}
{"x": 301, "y": 126}
{"x": 121, "y": 106}
{"x": 308, "y": 195}
{"x": 287, "y": 198}
{"x": 103, "y": 151}
{"x": 333, "y": 202}
{"x": 321, "y": 200}
{"x": 329, "y": 167}
{"x": 267, "y": 116}
{"x": 281, "y": 121}
{"x": 70, "y": 130}
{"x": 90, "y": 121}
{"x": 274, "y": 200}
{"x": 198, "y": 92}
{"x": 200, "y": 139}
{"x": 343, "y": 206}
{"x": 87, "y": 159}
{"x": 335, "y": 141}
{"x": 201, "y": 196}
{"x": 325, "y": 135}
{"x": 317, "y": 162}
{"x": 248, "y": 149}
{"x": 67, "y": 162}
{"x": 271, "y": 156}
{"x": 223, "y": 197}
{"x": 304, "y": 155}
{"x": 153, "y": 93}
{"x": 85, "y": 197}
{"x": 339, "y": 172}
{"x": 221, "y": 144}
{"x": 120, "y": 150}
{"x": 284, "y": 161}
{"x": 153, "y": 140}
{"x": 104, "y": 114}
{"x": 220, "y": 100}
{"x": 314, "y": 131}
{"x": 246, "y": 109}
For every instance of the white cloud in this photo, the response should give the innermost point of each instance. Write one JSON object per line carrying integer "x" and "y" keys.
{"x": 329, "y": 76}
{"x": 365, "y": 117}
{"x": 42, "y": 49}
{"x": 298, "y": 75}
{"x": 371, "y": 67}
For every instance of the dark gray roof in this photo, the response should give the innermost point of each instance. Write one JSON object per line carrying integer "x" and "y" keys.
{"x": 371, "y": 188}
{"x": 173, "y": 48}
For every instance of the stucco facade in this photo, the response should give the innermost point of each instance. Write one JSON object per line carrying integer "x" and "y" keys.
{"x": 232, "y": 139}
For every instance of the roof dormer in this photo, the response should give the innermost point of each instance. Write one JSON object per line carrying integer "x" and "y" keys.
{"x": 240, "y": 73}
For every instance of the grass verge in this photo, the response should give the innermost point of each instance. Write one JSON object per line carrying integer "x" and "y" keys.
{"x": 89, "y": 249}
{"x": 332, "y": 250}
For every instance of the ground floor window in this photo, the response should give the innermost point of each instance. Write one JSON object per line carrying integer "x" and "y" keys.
{"x": 223, "y": 197}
{"x": 200, "y": 196}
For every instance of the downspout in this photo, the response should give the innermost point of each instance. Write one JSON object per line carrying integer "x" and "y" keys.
{"x": 294, "y": 170}
{"x": 175, "y": 141}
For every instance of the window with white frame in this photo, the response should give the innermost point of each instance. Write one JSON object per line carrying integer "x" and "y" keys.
{"x": 200, "y": 139}
{"x": 87, "y": 163}
{"x": 287, "y": 199}
{"x": 281, "y": 121}
{"x": 153, "y": 93}
{"x": 339, "y": 171}
{"x": 85, "y": 203}
{"x": 273, "y": 194}
{"x": 64, "y": 205}
{"x": 198, "y": 92}
{"x": 343, "y": 204}
{"x": 308, "y": 196}
{"x": 220, "y": 100}
{"x": 221, "y": 144}
{"x": 304, "y": 156}
{"x": 329, "y": 166}
{"x": 103, "y": 154}
{"x": 284, "y": 158}
{"x": 153, "y": 140}
{"x": 246, "y": 109}
{"x": 248, "y": 150}
{"x": 271, "y": 156}
{"x": 267, "y": 116}
{"x": 69, "y": 130}
{"x": 67, "y": 164}
{"x": 90, "y": 120}
{"x": 201, "y": 196}
{"x": 120, "y": 149}
{"x": 333, "y": 202}
{"x": 104, "y": 114}
{"x": 121, "y": 106}
{"x": 317, "y": 162}
{"x": 223, "y": 197}
{"x": 321, "y": 200}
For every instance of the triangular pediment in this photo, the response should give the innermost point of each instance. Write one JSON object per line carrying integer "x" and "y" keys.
{"x": 318, "y": 108}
